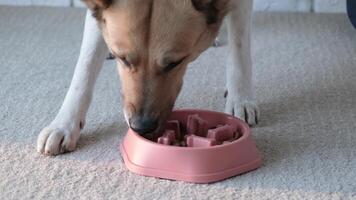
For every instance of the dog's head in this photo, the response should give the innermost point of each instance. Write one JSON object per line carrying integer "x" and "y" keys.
{"x": 153, "y": 41}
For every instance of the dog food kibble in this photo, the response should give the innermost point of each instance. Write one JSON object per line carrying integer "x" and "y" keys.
{"x": 163, "y": 140}
{"x": 176, "y": 143}
{"x": 197, "y": 133}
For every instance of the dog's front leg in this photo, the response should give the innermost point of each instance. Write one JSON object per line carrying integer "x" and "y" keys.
{"x": 63, "y": 133}
{"x": 240, "y": 96}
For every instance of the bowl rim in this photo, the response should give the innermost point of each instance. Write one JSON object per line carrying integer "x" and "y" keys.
{"x": 246, "y": 131}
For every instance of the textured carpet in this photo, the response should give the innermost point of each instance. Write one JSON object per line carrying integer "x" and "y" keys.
{"x": 305, "y": 72}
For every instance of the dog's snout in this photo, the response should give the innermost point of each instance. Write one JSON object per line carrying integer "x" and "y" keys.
{"x": 143, "y": 124}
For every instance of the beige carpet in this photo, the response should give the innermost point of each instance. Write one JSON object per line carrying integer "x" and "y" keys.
{"x": 306, "y": 85}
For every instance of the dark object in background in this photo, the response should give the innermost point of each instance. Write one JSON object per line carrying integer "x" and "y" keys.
{"x": 351, "y": 11}
{"x": 110, "y": 57}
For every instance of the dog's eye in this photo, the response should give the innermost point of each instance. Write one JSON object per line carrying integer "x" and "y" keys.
{"x": 173, "y": 65}
{"x": 124, "y": 60}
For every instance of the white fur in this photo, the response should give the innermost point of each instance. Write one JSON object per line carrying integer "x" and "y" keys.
{"x": 63, "y": 133}
{"x": 241, "y": 99}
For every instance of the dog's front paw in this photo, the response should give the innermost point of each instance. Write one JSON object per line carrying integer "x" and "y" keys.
{"x": 246, "y": 110}
{"x": 53, "y": 141}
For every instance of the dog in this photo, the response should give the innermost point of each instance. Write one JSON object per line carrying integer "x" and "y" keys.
{"x": 153, "y": 41}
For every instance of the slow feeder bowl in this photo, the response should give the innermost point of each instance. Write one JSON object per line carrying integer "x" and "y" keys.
{"x": 197, "y": 146}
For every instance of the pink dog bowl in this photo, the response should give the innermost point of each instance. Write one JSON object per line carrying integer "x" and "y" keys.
{"x": 198, "y": 146}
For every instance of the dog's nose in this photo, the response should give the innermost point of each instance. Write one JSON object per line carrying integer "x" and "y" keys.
{"x": 143, "y": 124}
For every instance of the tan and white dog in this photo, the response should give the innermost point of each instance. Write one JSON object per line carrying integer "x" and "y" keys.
{"x": 153, "y": 42}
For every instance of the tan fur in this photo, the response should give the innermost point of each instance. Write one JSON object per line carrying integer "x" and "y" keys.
{"x": 150, "y": 35}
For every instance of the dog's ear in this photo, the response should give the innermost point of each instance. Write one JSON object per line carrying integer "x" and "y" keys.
{"x": 214, "y": 10}
{"x": 98, "y": 4}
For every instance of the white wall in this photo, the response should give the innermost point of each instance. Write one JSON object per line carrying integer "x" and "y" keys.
{"x": 265, "y": 5}
{"x": 37, "y": 2}
{"x": 284, "y": 5}
{"x": 302, "y": 5}
{"x": 330, "y": 5}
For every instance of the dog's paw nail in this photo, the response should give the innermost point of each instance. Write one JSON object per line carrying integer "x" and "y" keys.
{"x": 54, "y": 141}
{"x": 226, "y": 93}
{"x": 247, "y": 111}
